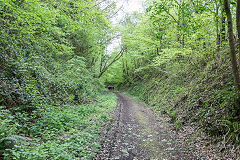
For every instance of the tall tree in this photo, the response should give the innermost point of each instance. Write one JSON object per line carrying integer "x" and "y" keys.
{"x": 223, "y": 27}
{"x": 238, "y": 26}
{"x": 231, "y": 44}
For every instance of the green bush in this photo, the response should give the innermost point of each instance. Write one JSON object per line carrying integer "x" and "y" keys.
{"x": 61, "y": 131}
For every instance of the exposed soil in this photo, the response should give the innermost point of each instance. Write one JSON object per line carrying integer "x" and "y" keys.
{"x": 136, "y": 134}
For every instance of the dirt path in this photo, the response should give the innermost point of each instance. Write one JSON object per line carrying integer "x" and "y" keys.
{"x": 136, "y": 134}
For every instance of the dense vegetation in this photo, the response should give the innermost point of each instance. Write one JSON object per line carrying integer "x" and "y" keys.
{"x": 51, "y": 103}
{"x": 178, "y": 60}
{"x": 181, "y": 57}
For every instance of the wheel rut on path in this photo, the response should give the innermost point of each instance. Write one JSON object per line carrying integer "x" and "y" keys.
{"x": 136, "y": 134}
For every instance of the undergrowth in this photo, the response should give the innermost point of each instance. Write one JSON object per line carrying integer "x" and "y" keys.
{"x": 197, "y": 93}
{"x": 54, "y": 131}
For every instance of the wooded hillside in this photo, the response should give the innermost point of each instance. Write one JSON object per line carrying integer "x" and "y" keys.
{"x": 49, "y": 65}
{"x": 182, "y": 57}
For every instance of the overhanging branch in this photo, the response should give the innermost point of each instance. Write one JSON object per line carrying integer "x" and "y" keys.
{"x": 117, "y": 57}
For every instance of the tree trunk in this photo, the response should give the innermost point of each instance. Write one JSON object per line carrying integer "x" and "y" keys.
{"x": 223, "y": 28}
{"x": 217, "y": 27}
{"x": 231, "y": 44}
{"x": 223, "y": 23}
{"x": 238, "y": 28}
{"x": 126, "y": 69}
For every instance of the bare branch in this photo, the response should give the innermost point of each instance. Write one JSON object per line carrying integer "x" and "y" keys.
{"x": 117, "y": 57}
{"x": 120, "y": 8}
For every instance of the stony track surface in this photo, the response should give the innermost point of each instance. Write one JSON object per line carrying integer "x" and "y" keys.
{"x": 136, "y": 134}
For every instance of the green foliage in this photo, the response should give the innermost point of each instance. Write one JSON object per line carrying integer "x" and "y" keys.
{"x": 195, "y": 96}
{"x": 173, "y": 117}
{"x": 43, "y": 45}
{"x": 8, "y": 125}
{"x": 48, "y": 90}
{"x": 178, "y": 125}
{"x": 114, "y": 75}
{"x": 178, "y": 62}
{"x": 232, "y": 131}
{"x": 60, "y": 131}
